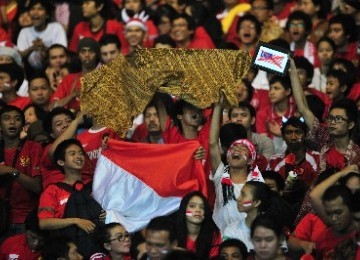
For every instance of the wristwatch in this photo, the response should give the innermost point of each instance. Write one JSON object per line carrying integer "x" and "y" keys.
{"x": 15, "y": 174}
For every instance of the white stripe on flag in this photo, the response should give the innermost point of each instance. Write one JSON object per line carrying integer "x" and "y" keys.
{"x": 126, "y": 199}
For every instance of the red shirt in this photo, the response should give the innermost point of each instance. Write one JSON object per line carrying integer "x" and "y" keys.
{"x": 22, "y": 201}
{"x": 93, "y": 141}
{"x": 16, "y": 247}
{"x": 309, "y": 165}
{"x": 350, "y": 53}
{"x": 83, "y": 30}
{"x": 20, "y": 102}
{"x": 53, "y": 201}
{"x": 214, "y": 251}
{"x": 68, "y": 84}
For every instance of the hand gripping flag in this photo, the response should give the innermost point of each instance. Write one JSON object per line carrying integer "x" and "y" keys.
{"x": 135, "y": 182}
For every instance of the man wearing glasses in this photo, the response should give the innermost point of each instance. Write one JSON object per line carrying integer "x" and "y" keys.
{"x": 334, "y": 139}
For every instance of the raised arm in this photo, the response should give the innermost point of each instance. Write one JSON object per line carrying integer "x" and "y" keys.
{"x": 215, "y": 154}
{"x": 299, "y": 96}
{"x": 317, "y": 193}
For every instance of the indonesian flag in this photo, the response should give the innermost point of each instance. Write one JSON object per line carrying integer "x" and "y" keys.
{"x": 135, "y": 182}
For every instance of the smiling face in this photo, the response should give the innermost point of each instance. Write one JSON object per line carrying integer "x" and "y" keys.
{"x": 195, "y": 211}
{"x": 238, "y": 156}
{"x": 180, "y": 31}
{"x": 38, "y": 14}
{"x": 74, "y": 158}
{"x": 134, "y": 35}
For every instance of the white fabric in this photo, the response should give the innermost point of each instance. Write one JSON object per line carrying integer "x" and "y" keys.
{"x": 54, "y": 33}
{"x": 228, "y": 214}
{"x": 126, "y": 199}
{"x": 309, "y": 51}
{"x": 319, "y": 80}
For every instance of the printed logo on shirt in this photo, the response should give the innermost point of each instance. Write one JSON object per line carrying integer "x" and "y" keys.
{"x": 13, "y": 257}
{"x": 24, "y": 161}
{"x": 63, "y": 201}
{"x": 94, "y": 154}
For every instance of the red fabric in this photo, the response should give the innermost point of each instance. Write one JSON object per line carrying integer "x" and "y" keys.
{"x": 94, "y": 141}
{"x": 286, "y": 11}
{"x": 350, "y": 53}
{"x": 5, "y": 39}
{"x": 214, "y": 251}
{"x": 82, "y": 30}
{"x": 53, "y": 201}
{"x": 68, "y": 84}
{"x": 51, "y": 174}
{"x": 260, "y": 96}
{"x": 15, "y": 247}
{"x": 335, "y": 159}
{"x": 20, "y": 102}
{"x": 22, "y": 201}
{"x": 201, "y": 40}
{"x": 355, "y": 92}
{"x": 186, "y": 174}
{"x": 140, "y": 133}
{"x": 232, "y": 35}
{"x": 309, "y": 168}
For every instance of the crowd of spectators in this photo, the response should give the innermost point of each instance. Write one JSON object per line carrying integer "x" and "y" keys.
{"x": 282, "y": 166}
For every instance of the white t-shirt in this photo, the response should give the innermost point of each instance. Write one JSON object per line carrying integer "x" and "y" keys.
{"x": 54, "y": 33}
{"x": 225, "y": 215}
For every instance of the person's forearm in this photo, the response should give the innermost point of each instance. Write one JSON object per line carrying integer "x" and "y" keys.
{"x": 56, "y": 223}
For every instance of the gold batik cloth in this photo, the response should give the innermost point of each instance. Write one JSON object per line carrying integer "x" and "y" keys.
{"x": 113, "y": 94}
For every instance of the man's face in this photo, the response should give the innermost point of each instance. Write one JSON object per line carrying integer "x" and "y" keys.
{"x": 260, "y": 10}
{"x": 325, "y": 52}
{"x": 134, "y": 35}
{"x": 180, "y": 31}
{"x": 294, "y": 137}
{"x": 338, "y": 122}
{"x": 278, "y": 93}
{"x": 109, "y": 52}
{"x": 89, "y": 9}
{"x": 74, "y": 158}
{"x": 338, "y": 214}
{"x": 157, "y": 243}
{"x": 337, "y": 34}
{"x": 242, "y": 116}
{"x": 230, "y": 253}
{"x": 39, "y": 91}
{"x": 38, "y": 14}
{"x": 59, "y": 124}
{"x": 297, "y": 30}
{"x": 151, "y": 120}
{"x": 34, "y": 240}
{"x": 87, "y": 58}
{"x": 247, "y": 32}
{"x": 57, "y": 58}
{"x": 11, "y": 124}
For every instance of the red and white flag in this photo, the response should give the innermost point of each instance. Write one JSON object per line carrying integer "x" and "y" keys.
{"x": 135, "y": 182}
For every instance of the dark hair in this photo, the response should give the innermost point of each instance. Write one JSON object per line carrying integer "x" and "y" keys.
{"x": 39, "y": 111}
{"x": 32, "y": 222}
{"x": 47, "y": 123}
{"x": 271, "y": 203}
{"x": 295, "y": 122}
{"x": 163, "y": 10}
{"x": 283, "y": 80}
{"x": 328, "y": 40}
{"x": 181, "y": 255}
{"x": 15, "y": 72}
{"x": 343, "y": 181}
{"x": 355, "y": 205}
{"x": 60, "y": 151}
{"x": 163, "y": 223}
{"x": 48, "y": 6}
{"x": 349, "y": 67}
{"x": 110, "y": 39}
{"x": 178, "y": 109}
{"x": 349, "y": 106}
{"x": 348, "y": 24}
{"x": 273, "y": 175}
{"x": 8, "y": 108}
{"x": 232, "y": 242}
{"x": 303, "y": 63}
{"x": 245, "y": 106}
{"x": 207, "y": 231}
{"x": 316, "y": 105}
{"x": 102, "y": 234}
{"x": 266, "y": 222}
{"x": 300, "y": 15}
{"x": 38, "y": 75}
{"x": 165, "y": 39}
{"x": 56, "y": 46}
{"x": 57, "y": 247}
{"x": 324, "y": 175}
{"x": 341, "y": 76}
{"x": 249, "y": 88}
{"x": 269, "y": 4}
{"x": 252, "y": 18}
{"x": 336, "y": 191}
{"x": 280, "y": 43}
{"x": 230, "y": 132}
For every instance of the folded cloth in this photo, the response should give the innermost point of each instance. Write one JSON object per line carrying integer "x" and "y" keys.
{"x": 113, "y": 94}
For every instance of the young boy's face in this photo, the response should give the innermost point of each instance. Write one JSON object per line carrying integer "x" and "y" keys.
{"x": 247, "y": 32}
{"x": 278, "y": 93}
{"x": 333, "y": 88}
{"x": 297, "y": 30}
{"x": 74, "y": 158}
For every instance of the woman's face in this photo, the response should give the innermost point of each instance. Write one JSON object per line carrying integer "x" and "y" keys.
{"x": 266, "y": 243}
{"x": 120, "y": 241}
{"x": 30, "y": 116}
{"x": 337, "y": 34}
{"x": 325, "y": 52}
{"x": 195, "y": 210}
{"x": 245, "y": 201}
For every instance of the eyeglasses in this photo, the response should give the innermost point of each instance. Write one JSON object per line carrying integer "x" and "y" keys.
{"x": 121, "y": 237}
{"x": 336, "y": 119}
